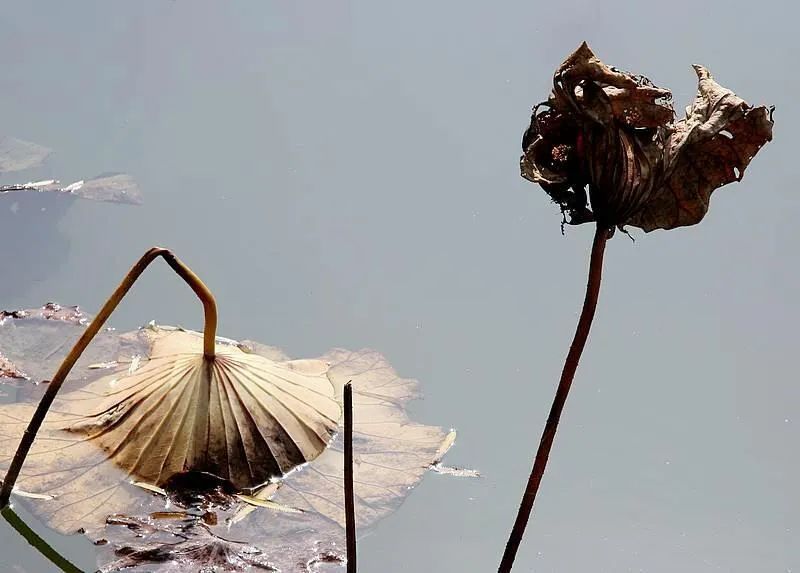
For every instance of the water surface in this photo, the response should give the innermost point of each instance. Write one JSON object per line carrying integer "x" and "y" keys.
{"x": 345, "y": 174}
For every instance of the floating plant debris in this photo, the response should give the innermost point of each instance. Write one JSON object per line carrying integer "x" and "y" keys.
{"x": 18, "y": 155}
{"x": 112, "y": 187}
{"x": 242, "y": 417}
{"x": 38, "y": 338}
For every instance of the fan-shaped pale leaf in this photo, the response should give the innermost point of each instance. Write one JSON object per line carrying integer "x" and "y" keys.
{"x": 93, "y": 493}
{"x": 240, "y": 416}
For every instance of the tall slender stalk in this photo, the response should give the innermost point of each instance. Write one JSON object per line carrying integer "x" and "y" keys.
{"x": 37, "y": 542}
{"x": 567, "y": 374}
{"x": 349, "y": 496}
{"x": 209, "y": 336}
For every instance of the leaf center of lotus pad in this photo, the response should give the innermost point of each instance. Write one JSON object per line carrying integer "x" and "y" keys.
{"x": 239, "y": 416}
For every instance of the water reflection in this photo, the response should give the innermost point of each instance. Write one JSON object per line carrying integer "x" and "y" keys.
{"x": 29, "y": 222}
{"x": 30, "y": 212}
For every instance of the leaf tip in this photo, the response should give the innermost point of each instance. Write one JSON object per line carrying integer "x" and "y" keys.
{"x": 702, "y": 72}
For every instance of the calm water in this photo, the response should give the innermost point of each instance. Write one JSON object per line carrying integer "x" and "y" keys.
{"x": 345, "y": 174}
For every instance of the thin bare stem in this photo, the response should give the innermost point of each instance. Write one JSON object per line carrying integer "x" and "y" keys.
{"x": 37, "y": 542}
{"x": 567, "y": 374}
{"x": 209, "y": 335}
{"x": 349, "y": 497}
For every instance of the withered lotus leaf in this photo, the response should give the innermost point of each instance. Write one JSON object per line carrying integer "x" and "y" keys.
{"x": 242, "y": 417}
{"x": 615, "y": 133}
{"x": 90, "y": 491}
{"x": 18, "y": 155}
{"x": 110, "y": 187}
{"x": 38, "y": 338}
{"x": 14, "y": 343}
{"x": 392, "y": 454}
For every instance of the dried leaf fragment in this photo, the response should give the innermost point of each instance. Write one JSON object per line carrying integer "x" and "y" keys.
{"x": 9, "y": 371}
{"x": 711, "y": 147}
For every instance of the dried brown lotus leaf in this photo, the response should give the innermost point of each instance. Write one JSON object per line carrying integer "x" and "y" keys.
{"x": 242, "y": 417}
{"x": 392, "y": 455}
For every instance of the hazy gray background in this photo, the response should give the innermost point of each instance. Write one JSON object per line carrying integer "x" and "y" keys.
{"x": 345, "y": 174}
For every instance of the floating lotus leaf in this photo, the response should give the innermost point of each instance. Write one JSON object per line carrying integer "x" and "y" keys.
{"x": 38, "y": 339}
{"x": 111, "y": 187}
{"x": 240, "y": 416}
{"x": 18, "y": 155}
{"x": 92, "y": 492}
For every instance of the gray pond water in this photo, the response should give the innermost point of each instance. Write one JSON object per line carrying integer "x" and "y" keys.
{"x": 346, "y": 174}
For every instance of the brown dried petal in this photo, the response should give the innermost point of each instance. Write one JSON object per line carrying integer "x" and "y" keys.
{"x": 600, "y": 131}
{"x": 624, "y": 166}
{"x": 605, "y": 95}
{"x": 640, "y": 106}
{"x": 537, "y": 163}
{"x": 615, "y": 133}
{"x": 711, "y": 147}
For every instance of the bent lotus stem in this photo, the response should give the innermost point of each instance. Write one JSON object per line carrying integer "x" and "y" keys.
{"x": 349, "y": 496}
{"x": 209, "y": 337}
{"x": 568, "y": 373}
{"x": 37, "y": 542}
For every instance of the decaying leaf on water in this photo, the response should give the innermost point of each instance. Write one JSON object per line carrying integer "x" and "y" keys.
{"x": 440, "y": 468}
{"x": 110, "y": 187}
{"x": 9, "y": 321}
{"x": 18, "y": 155}
{"x": 614, "y": 133}
{"x": 96, "y": 495}
{"x": 38, "y": 338}
{"x": 49, "y": 311}
{"x": 242, "y": 417}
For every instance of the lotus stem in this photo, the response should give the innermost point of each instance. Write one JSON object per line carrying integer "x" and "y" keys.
{"x": 37, "y": 542}
{"x": 209, "y": 336}
{"x": 349, "y": 497}
{"x": 567, "y": 374}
